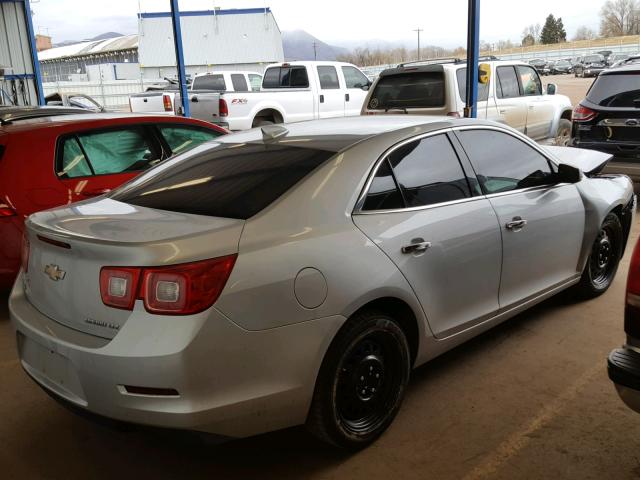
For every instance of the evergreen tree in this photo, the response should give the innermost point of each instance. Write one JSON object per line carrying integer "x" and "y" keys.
{"x": 549, "y": 31}
{"x": 561, "y": 34}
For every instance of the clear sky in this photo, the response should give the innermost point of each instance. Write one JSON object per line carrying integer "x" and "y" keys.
{"x": 339, "y": 22}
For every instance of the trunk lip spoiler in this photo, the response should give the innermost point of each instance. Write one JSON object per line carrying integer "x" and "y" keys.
{"x": 590, "y": 162}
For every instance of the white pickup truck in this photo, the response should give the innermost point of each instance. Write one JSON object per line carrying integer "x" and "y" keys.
{"x": 204, "y": 95}
{"x": 297, "y": 91}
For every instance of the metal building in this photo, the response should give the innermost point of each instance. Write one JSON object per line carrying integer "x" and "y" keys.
{"x": 236, "y": 39}
{"x": 74, "y": 62}
{"x": 18, "y": 73}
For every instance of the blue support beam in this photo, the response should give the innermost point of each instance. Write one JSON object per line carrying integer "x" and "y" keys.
{"x": 473, "y": 52}
{"x": 34, "y": 53}
{"x": 177, "y": 39}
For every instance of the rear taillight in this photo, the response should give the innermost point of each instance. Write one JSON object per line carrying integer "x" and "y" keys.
{"x": 166, "y": 101}
{"x": 183, "y": 289}
{"x": 583, "y": 114}
{"x": 223, "y": 110}
{"x": 6, "y": 211}
{"x": 632, "y": 304}
{"x": 119, "y": 286}
{"x": 25, "y": 249}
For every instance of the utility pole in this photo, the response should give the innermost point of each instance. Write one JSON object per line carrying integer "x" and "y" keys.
{"x": 315, "y": 51}
{"x": 418, "y": 30}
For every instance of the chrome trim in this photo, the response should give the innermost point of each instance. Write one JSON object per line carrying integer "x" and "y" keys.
{"x": 422, "y": 207}
{"x": 526, "y": 190}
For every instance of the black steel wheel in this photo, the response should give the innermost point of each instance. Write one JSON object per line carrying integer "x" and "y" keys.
{"x": 604, "y": 258}
{"x": 361, "y": 382}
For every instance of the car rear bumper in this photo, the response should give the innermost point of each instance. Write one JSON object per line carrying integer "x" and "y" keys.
{"x": 623, "y": 366}
{"x": 224, "y": 380}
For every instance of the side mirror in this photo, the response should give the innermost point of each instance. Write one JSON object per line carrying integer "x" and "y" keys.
{"x": 367, "y": 85}
{"x": 568, "y": 174}
{"x": 551, "y": 89}
{"x": 484, "y": 73}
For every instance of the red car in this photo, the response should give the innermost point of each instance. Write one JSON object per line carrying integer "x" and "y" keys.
{"x": 55, "y": 160}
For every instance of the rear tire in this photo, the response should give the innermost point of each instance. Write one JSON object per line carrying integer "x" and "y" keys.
{"x": 603, "y": 261}
{"x": 563, "y": 133}
{"x": 361, "y": 383}
{"x": 261, "y": 122}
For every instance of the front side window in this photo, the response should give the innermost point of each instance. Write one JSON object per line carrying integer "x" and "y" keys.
{"x": 502, "y": 162}
{"x": 180, "y": 139}
{"x": 428, "y": 172}
{"x": 507, "y": 85}
{"x": 107, "y": 152}
{"x": 354, "y": 78}
{"x": 328, "y": 78}
{"x": 383, "y": 193}
{"x": 408, "y": 90}
{"x": 531, "y": 84}
{"x": 239, "y": 82}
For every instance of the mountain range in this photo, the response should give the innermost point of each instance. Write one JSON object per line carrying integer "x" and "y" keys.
{"x": 299, "y": 45}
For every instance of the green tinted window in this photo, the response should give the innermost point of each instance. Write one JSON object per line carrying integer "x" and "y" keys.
{"x": 181, "y": 139}
{"x": 118, "y": 151}
{"x": 74, "y": 163}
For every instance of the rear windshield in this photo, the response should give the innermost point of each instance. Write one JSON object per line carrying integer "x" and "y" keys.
{"x": 593, "y": 59}
{"x": 619, "y": 90}
{"x": 209, "y": 82}
{"x": 408, "y": 90}
{"x": 232, "y": 180}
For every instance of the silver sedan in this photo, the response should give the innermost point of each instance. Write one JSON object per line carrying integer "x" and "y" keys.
{"x": 296, "y": 274}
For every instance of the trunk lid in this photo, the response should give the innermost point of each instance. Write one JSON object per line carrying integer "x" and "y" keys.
{"x": 69, "y": 246}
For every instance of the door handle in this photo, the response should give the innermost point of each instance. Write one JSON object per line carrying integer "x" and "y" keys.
{"x": 516, "y": 224}
{"x": 417, "y": 245}
{"x": 531, "y": 107}
{"x": 195, "y": 99}
{"x": 346, "y": 97}
{"x": 502, "y": 112}
{"x": 321, "y": 98}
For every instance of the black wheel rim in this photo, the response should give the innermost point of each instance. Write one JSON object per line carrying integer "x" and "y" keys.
{"x": 604, "y": 258}
{"x": 368, "y": 383}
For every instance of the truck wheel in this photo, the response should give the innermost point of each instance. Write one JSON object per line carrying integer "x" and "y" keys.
{"x": 361, "y": 382}
{"x": 563, "y": 134}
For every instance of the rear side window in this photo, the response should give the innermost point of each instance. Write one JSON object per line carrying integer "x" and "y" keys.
{"x": 483, "y": 88}
{"x": 286, "y": 77}
{"x": 428, "y": 172}
{"x": 383, "y": 193}
{"x": 209, "y": 82}
{"x": 408, "y": 90}
{"x": 619, "y": 90}
{"x": 180, "y": 139}
{"x": 328, "y": 78}
{"x": 106, "y": 152}
{"x": 507, "y": 86}
{"x": 255, "y": 81}
{"x": 232, "y": 180}
{"x": 239, "y": 82}
{"x": 503, "y": 162}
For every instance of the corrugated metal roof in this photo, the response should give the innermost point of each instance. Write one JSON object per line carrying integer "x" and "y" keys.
{"x": 228, "y": 37}
{"x": 125, "y": 42}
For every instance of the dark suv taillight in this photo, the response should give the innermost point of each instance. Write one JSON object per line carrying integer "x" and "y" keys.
{"x": 583, "y": 114}
{"x": 632, "y": 302}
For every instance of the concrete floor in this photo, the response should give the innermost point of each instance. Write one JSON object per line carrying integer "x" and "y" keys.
{"x": 528, "y": 399}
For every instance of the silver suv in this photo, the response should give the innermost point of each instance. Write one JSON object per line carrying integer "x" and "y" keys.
{"x": 514, "y": 96}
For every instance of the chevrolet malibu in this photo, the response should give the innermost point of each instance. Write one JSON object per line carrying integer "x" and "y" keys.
{"x": 296, "y": 274}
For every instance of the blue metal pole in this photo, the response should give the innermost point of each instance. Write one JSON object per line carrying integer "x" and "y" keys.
{"x": 177, "y": 39}
{"x": 34, "y": 53}
{"x": 473, "y": 52}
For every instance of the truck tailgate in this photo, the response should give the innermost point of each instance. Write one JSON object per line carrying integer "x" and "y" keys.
{"x": 149, "y": 102}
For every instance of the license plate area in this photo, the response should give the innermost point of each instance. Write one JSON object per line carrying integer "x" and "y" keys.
{"x": 51, "y": 369}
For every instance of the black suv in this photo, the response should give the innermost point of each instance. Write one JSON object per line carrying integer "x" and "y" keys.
{"x": 608, "y": 119}
{"x": 590, "y": 66}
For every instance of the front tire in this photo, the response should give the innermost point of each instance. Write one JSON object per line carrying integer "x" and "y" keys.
{"x": 604, "y": 258}
{"x": 361, "y": 383}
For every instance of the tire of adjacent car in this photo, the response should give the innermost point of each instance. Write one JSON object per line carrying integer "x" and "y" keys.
{"x": 563, "y": 133}
{"x": 361, "y": 382}
{"x": 603, "y": 260}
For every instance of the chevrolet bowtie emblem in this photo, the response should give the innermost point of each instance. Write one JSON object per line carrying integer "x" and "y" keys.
{"x": 54, "y": 272}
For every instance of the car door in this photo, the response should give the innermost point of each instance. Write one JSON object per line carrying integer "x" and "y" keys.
{"x": 542, "y": 224}
{"x": 540, "y": 108}
{"x": 92, "y": 163}
{"x": 444, "y": 237}
{"x": 356, "y": 83}
{"x": 331, "y": 95}
{"x": 512, "y": 108}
